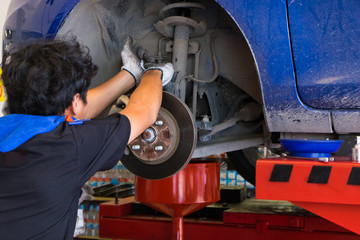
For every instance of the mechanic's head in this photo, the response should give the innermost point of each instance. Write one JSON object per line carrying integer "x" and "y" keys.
{"x": 42, "y": 78}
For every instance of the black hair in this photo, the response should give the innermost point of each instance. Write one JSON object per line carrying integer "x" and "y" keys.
{"x": 42, "y": 78}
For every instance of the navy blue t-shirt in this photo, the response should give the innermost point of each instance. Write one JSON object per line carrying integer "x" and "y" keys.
{"x": 41, "y": 180}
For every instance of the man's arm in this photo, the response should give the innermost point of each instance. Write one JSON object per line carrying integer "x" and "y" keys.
{"x": 144, "y": 103}
{"x": 100, "y": 97}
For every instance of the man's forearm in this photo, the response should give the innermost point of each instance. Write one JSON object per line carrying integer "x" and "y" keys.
{"x": 100, "y": 97}
{"x": 149, "y": 93}
{"x": 144, "y": 103}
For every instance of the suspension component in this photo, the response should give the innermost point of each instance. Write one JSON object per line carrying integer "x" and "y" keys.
{"x": 167, "y": 26}
{"x": 181, "y": 29}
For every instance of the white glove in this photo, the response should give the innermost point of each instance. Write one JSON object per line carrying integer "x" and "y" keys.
{"x": 167, "y": 72}
{"x": 86, "y": 193}
{"x": 121, "y": 103}
{"x": 131, "y": 62}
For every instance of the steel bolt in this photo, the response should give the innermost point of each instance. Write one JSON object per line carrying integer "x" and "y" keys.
{"x": 159, "y": 123}
{"x": 135, "y": 147}
{"x": 159, "y": 148}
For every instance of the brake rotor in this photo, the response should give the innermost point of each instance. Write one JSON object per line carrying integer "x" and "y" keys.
{"x": 165, "y": 147}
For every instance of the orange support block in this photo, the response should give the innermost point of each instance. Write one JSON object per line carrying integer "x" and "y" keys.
{"x": 328, "y": 189}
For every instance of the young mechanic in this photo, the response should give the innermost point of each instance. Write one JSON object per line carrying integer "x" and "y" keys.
{"x": 44, "y": 159}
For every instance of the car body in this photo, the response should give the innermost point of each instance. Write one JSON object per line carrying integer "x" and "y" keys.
{"x": 296, "y": 60}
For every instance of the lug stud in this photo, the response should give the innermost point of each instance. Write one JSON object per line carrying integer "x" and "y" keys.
{"x": 159, "y": 123}
{"x": 135, "y": 147}
{"x": 159, "y": 148}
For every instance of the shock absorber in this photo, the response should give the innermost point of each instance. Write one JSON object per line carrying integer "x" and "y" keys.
{"x": 180, "y": 27}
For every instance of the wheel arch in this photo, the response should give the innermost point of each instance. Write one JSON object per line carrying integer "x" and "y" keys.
{"x": 264, "y": 25}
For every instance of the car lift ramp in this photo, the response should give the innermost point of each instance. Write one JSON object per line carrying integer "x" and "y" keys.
{"x": 330, "y": 190}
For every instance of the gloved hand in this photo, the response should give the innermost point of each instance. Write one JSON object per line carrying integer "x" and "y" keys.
{"x": 86, "y": 193}
{"x": 131, "y": 62}
{"x": 120, "y": 104}
{"x": 167, "y": 72}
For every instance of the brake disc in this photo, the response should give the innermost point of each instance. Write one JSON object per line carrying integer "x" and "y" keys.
{"x": 165, "y": 147}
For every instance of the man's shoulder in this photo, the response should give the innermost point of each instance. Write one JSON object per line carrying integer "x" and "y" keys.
{"x": 112, "y": 120}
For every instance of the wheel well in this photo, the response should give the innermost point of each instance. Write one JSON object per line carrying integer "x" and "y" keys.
{"x": 103, "y": 26}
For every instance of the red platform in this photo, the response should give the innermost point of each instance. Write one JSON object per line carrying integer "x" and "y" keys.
{"x": 249, "y": 220}
{"x": 328, "y": 189}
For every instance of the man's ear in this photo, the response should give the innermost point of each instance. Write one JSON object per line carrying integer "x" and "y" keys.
{"x": 76, "y": 104}
{"x": 74, "y": 108}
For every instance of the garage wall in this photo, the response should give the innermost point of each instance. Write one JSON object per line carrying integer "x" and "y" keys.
{"x": 4, "y": 5}
{"x": 3, "y": 10}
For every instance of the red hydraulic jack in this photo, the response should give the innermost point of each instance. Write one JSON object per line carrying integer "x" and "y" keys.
{"x": 328, "y": 189}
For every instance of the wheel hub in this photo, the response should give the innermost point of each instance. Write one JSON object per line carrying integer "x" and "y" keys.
{"x": 166, "y": 146}
{"x": 159, "y": 141}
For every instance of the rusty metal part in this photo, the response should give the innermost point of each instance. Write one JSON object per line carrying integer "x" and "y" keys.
{"x": 167, "y": 146}
{"x": 159, "y": 142}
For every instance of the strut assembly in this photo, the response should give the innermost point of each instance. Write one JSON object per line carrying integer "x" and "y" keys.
{"x": 181, "y": 29}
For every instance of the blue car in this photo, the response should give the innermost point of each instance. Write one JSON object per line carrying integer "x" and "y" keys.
{"x": 248, "y": 72}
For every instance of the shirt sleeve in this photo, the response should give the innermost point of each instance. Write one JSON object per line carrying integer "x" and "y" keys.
{"x": 101, "y": 144}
